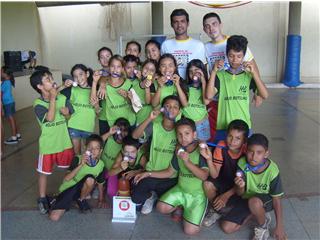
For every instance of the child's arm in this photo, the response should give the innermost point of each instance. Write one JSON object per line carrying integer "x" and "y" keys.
{"x": 118, "y": 166}
{"x": 96, "y": 76}
{"x": 70, "y": 175}
{"x": 147, "y": 83}
{"x": 279, "y": 232}
{"x": 181, "y": 94}
{"x": 211, "y": 90}
{"x": 158, "y": 174}
{"x": 262, "y": 90}
{"x": 205, "y": 100}
{"x": 156, "y": 98}
{"x": 239, "y": 185}
{"x": 112, "y": 131}
{"x": 138, "y": 132}
{"x": 52, "y": 105}
{"x": 221, "y": 200}
{"x": 200, "y": 173}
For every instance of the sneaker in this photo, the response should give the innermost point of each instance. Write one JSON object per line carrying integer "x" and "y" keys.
{"x": 148, "y": 205}
{"x": 11, "y": 140}
{"x": 43, "y": 205}
{"x": 262, "y": 233}
{"x": 211, "y": 217}
{"x": 177, "y": 214}
{"x": 19, "y": 138}
{"x": 83, "y": 205}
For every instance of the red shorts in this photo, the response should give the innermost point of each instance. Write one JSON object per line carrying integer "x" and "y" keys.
{"x": 61, "y": 159}
{"x": 212, "y": 108}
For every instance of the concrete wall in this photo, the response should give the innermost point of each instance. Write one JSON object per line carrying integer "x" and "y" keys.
{"x": 20, "y": 27}
{"x": 73, "y": 34}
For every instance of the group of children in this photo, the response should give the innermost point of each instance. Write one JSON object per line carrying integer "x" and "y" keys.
{"x": 154, "y": 131}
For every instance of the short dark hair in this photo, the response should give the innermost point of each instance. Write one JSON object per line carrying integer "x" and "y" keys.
{"x": 151, "y": 41}
{"x": 131, "y": 58}
{"x": 134, "y": 42}
{"x": 104, "y": 49}
{"x": 179, "y": 12}
{"x": 171, "y": 97}
{"x": 130, "y": 141}
{"x": 239, "y": 125}
{"x": 237, "y": 43}
{"x": 122, "y": 122}
{"x": 258, "y": 139}
{"x": 186, "y": 121}
{"x": 210, "y": 15}
{"x": 95, "y": 138}
{"x": 36, "y": 79}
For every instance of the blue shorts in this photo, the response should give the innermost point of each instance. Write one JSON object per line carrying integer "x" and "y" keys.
{"x": 203, "y": 129}
{"x": 221, "y": 135}
{"x": 75, "y": 133}
{"x": 9, "y": 109}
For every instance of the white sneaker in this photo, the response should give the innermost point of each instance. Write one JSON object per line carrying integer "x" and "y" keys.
{"x": 211, "y": 217}
{"x": 148, "y": 205}
{"x": 262, "y": 233}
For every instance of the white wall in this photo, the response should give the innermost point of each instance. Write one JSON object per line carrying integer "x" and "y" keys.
{"x": 20, "y": 27}
{"x": 73, "y": 34}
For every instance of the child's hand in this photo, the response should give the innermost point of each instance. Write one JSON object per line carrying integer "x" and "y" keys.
{"x": 53, "y": 93}
{"x": 96, "y": 76}
{"x": 239, "y": 182}
{"x": 94, "y": 101}
{"x": 102, "y": 92}
{"x": 124, "y": 165}
{"x": 154, "y": 114}
{"x": 176, "y": 79}
{"x": 129, "y": 94}
{"x": 138, "y": 73}
{"x": 220, "y": 201}
{"x": 64, "y": 111}
{"x": 184, "y": 156}
{"x": 218, "y": 64}
{"x": 141, "y": 176}
{"x": 113, "y": 129}
{"x": 123, "y": 93}
{"x": 84, "y": 159}
{"x": 257, "y": 100}
{"x": 147, "y": 83}
{"x": 205, "y": 152}
{"x": 68, "y": 83}
{"x": 130, "y": 174}
{"x": 161, "y": 81}
{"x": 279, "y": 233}
{"x": 249, "y": 67}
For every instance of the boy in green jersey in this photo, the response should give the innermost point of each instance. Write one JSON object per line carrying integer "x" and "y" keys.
{"x": 85, "y": 170}
{"x": 55, "y": 146}
{"x": 233, "y": 83}
{"x": 189, "y": 161}
{"x": 162, "y": 148}
{"x": 258, "y": 183}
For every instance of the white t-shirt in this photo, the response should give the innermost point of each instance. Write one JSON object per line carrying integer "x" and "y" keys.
{"x": 184, "y": 51}
{"x": 216, "y": 51}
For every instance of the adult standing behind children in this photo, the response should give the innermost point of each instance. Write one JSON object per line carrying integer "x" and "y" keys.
{"x": 182, "y": 47}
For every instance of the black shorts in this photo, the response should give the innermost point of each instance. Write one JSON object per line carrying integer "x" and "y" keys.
{"x": 241, "y": 211}
{"x": 220, "y": 185}
{"x": 65, "y": 198}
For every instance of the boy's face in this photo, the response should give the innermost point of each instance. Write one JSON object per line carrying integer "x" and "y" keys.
{"x": 256, "y": 154}
{"x": 131, "y": 152}
{"x": 235, "y": 140}
{"x": 129, "y": 69}
{"x": 179, "y": 25}
{"x": 95, "y": 148}
{"x": 185, "y": 135}
{"x": 212, "y": 28}
{"x": 167, "y": 67}
{"x": 81, "y": 77}
{"x": 116, "y": 67}
{"x": 133, "y": 49}
{"x": 47, "y": 83}
{"x": 153, "y": 52}
{"x": 104, "y": 58}
{"x": 172, "y": 106}
{"x": 235, "y": 58}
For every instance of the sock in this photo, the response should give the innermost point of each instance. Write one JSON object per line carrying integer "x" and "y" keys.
{"x": 18, "y": 135}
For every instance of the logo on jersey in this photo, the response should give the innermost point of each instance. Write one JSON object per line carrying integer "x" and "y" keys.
{"x": 243, "y": 89}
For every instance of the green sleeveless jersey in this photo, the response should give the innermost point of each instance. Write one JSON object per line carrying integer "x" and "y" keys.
{"x": 196, "y": 109}
{"x": 167, "y": 91}
{"x": 84, "y": 114}
{"x": 187, "y": 181}
{"x": 234, "y": 98}
{"x": 146, "y": 108}
{"x": 266, "y": 182}
{"x": 54, "y": 136}
{"x": 110, "y": 152}
{"x": 117, "y": 106}
{"x": 162, "y": 148}
{"x": 84, "y": 171}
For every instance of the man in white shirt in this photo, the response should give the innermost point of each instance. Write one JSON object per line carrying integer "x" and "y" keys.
{"x": 183, "y": 47}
